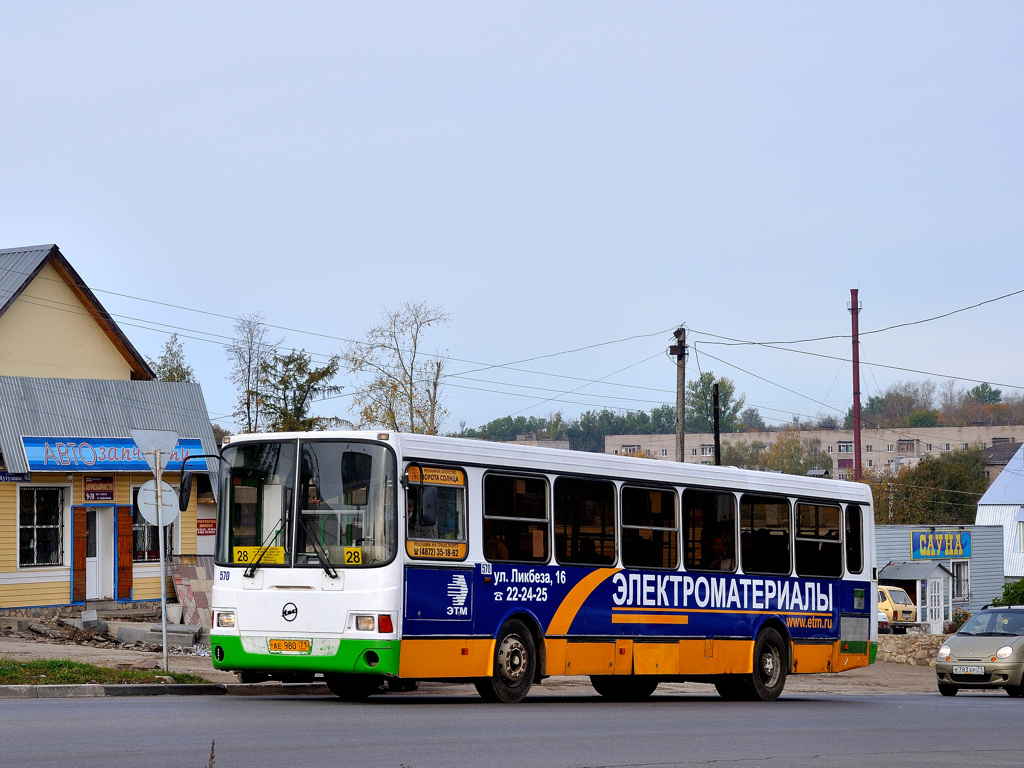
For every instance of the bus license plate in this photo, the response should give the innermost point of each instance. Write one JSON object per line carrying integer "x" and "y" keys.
{"x": 289, "y": 646}
{"x": 968, "y": 670}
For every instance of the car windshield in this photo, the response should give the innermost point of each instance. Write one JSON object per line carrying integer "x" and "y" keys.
{"x": 994, "y": 623}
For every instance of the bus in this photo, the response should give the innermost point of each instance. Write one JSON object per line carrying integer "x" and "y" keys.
{"x": 381, "y": 559}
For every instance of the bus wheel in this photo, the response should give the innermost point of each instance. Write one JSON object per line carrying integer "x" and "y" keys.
{"x": 623, "y": 688}
{"x": 771, "y": 663}
{"x": 515, "y": 662}
{"x": 352, "y": 687}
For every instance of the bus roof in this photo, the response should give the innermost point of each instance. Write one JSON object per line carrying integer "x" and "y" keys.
{"x": 472, "y": 452}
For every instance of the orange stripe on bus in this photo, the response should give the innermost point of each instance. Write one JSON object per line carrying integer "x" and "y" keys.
{"x": 573, "y": 601}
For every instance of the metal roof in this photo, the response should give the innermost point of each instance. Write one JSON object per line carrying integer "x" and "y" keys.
{"x": 1008, "y": 487}
{"x": 97, "y": 408}
{"x": 911, "y": 571}
{"x": 19, "y": 266}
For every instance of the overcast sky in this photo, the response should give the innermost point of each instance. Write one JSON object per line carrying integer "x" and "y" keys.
{"x": 571, "y": 181}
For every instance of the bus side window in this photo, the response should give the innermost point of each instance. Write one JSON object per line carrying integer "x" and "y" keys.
{"x": 709, "y": 530}
{"x": 515, "y": 518}
{"x": 650, "y": 528}
{"x": 765, "y": 534}
{"x": 584, "y": 521}
{"x": 854, "y": 539}
{"x": 819, "y": 551}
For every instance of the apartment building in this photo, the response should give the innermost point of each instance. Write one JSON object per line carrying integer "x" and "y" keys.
{"x": 887, "y": 449}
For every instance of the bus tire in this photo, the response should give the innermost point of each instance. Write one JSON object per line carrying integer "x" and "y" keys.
{"x": 948, "y": 690}
{"x": 623, "y": 688}
{"x": 515, "y": 663}
{"x": 352, "y": 687}
{"x": 771, "y": 664}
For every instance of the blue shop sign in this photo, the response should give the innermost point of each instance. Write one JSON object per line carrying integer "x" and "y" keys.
{"x": 109, "y": 454}
{"x": 930, "y": 544}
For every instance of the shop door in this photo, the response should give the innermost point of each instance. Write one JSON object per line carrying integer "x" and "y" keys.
{"x": 935, "y": 606}
{"x": 92, "y": 587}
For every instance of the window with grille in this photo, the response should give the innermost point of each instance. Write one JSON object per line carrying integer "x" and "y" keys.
{"x": 40, "y": 526}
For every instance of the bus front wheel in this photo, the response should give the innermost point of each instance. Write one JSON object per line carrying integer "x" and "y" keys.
{"x": 515, "y": 662}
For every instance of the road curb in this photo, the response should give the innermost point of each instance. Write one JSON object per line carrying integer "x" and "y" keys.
{"x": 93, "y": 690}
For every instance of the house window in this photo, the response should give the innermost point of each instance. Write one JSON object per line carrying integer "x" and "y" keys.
{"x": 707, "y": 450}
{"x": 906, "y": 446}
{"x": 888, "y": 448}
{"x": 693, "y": 451}
{"x": 830, "y": 449}
{"x": 966, "y": 446}
{"x": 946, "y": 447}
{"x": 870, "y": 449}
{"x": 870, "y": 463}
{"x": 961, "y": 581}
{"x": 664, "y": 451}
{"x": 40, "y": 526}
{"x": 846, "y": 448}
{"x": 927, "y": 446}
{"x": 145, "y": 541}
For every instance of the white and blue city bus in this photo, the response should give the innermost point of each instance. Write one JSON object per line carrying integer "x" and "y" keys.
{"x": 373, "y": 557}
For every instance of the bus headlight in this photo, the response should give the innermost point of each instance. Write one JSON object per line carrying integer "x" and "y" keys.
{"x": 226, "y": 619}
{"x": 364, "y": 623}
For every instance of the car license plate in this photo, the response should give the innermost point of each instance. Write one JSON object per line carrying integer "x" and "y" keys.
{"x": 968, "y": 670}
{"x": 289, "y": 646}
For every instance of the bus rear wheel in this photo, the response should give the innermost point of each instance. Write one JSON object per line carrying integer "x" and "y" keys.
{"x": 515, "y": 663}
{"x": 771, "y": 665}
{"x": 623, "y": 688}
{"x": 352, "y": 687}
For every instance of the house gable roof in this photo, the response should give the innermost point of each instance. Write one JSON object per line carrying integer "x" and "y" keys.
{"x": 20, "y": 266}
{"x": 1008, "y": 487}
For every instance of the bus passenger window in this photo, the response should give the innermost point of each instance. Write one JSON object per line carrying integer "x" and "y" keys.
{"x": 650, "y": 528}
{"x": 515, "y": 519}
{"x": 709, "y": 530}
{"x": 854, "y": 540}
{"x": 764, "y": 535}
{"x": 584, "y": 521}
{"x": 436, "y": 512}
{"x": 819, "y": 551}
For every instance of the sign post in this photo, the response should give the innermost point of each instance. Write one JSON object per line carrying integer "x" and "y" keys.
{"x": 159, "y": 445}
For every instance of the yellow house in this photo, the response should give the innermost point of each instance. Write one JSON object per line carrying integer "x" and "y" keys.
{"x": 72, "y": 390}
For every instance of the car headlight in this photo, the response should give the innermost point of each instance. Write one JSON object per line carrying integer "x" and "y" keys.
{"x": 944, "y": 651}
{"x": 1005, "y": 652}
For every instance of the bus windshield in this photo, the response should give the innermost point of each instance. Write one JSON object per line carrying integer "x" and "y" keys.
{"x": 342, "y": 513}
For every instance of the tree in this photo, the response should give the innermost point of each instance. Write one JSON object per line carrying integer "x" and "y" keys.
{"x": 750, "y": 421}
{"x": 404, "y": 391}
{"x": 941, "y": 490}
{"x": 249, "y": 354}
{"x": 793, "y": 455}
{"x": 700, "y": 404}
{"x": 171, "y": 365}
{"x": 291, "y": 385}
{"x": 1013, "y": 594}
{"x": 985, "y": 394}
{"x": 743, "y": 454}
{"x": 894, "y": 407}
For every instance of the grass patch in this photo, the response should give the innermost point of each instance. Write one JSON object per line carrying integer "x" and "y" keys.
{"x": 67, "y": 672}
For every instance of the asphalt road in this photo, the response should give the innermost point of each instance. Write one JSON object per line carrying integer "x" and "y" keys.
{"x": 456, "y": 729}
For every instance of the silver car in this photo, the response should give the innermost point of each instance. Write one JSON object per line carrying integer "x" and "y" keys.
{"x": 986, "y": 652}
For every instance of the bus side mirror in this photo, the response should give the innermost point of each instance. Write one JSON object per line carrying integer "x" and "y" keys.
{"x": 428, "y": 511}
{"x": 184, "y": 490}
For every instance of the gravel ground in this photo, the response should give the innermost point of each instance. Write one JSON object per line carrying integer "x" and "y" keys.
{"x": 51, "y": 640}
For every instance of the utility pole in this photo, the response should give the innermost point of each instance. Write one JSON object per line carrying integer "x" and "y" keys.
{"x": 680, "y": 351}
{"x": 854, "y": 307}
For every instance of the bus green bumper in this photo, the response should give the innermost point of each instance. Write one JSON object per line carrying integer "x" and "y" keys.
{"x": 366, "y": 657}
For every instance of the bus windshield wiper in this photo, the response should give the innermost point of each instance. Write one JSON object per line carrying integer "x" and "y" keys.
{"x": 264, "y": 548}
{"x": 325, "y": 561}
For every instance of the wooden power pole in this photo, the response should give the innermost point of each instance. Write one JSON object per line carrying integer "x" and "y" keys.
{"x": 679, "y": 350}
